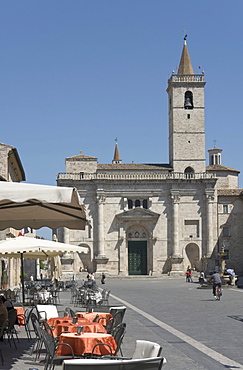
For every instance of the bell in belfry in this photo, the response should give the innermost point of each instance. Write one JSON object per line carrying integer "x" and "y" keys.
{"x": 188, "y": 103}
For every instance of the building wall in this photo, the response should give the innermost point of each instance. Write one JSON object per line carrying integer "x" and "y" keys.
{"x": 227, "y": 180}
{"x": 232, "y": 221}
{"x": 79, "y": 165}
{"x": 192, "y": 226}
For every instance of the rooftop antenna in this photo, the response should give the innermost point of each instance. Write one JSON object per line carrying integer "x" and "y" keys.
{"x": 214, "y": 143}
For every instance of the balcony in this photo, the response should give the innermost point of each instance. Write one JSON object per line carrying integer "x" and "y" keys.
{"x": 81, "y": 176}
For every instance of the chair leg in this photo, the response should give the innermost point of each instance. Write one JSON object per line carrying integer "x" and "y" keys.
{"x": 1, "y": 355}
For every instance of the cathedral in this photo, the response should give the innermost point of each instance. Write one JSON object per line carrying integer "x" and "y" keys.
{"x": 153, "y": 219}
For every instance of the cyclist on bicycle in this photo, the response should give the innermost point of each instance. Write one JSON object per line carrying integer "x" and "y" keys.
{"x": 216, "y": 282}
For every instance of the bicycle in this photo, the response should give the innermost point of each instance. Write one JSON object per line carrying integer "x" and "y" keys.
{"x": 218, "y": 293}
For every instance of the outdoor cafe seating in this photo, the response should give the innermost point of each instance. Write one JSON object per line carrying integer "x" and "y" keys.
{"x": 90, "y": 338}
{"x": 146, "y": 355}
{"x": 61, "y": 332}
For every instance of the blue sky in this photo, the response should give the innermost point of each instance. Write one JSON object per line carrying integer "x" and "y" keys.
{"x": 76, "y": 74}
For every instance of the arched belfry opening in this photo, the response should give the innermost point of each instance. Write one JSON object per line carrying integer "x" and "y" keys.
{"x": 189, "y": 172}
{"x": 188, "y": 101}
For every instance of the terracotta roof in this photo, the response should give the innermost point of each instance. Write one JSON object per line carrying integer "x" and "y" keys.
{"x": 185, "y": 67}
{"x": 228, "y": 192}
{"x": 134, "y": 166}
{"x": 219, "y": 167}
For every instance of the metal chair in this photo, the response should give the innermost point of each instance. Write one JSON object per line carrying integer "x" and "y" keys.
{"x": 51, "y": 347}
{"x": 26, "y": 321}
{"x": 113, "y": 322}
{"x": 3, "y": 331}
{"x": 105, "y": 296}
{"x": 70, "y": 312}
{"x": 38, "y": 344}
{"x": 114, "y": 309}
{"x": 118, "y": 336}
{"x": 11, "y": 331}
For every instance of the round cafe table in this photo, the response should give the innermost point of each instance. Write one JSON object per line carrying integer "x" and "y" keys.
{"x": 89, "y": 327}
{"x": 85, "y": 342}
{"x": 53, "y": 321}
{"x": 103, "y": 316}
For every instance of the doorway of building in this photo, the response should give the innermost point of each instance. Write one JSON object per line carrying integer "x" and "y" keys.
{"x": 137, "y": 257}
{"x": 192, "y": 253}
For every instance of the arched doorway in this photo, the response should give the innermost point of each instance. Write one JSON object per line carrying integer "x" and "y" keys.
{"x": 137, "y": 251}
{"x": 192, "y": 253}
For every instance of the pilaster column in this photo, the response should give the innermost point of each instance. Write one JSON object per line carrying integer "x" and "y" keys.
{"x": 175, "y": 196}
{"x": 209, "y": 223}
{"x": 100, "y": 229}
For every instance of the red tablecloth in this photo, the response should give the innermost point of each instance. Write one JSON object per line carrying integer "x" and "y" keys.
{"x": 85, "y": 342}
{"x": 20, "y": 311}
{"x": 91, "y": 315}
{"x": 89, "y": 327}
{"x": 60, "y": 320}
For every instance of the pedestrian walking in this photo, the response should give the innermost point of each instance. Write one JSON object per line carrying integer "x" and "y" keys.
{"x": 103, "y": 278}
{"x": 189, "y": 275}
{"x": 201, "y": 278}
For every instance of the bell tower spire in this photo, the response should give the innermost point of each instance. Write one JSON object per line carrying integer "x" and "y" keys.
{"x": 117, "y": 158}
{"x": 185, "y": 66}
{"x": 186, "y": 117}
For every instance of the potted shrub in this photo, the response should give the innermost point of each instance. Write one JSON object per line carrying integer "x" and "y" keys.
{"x": 4, "y": 279}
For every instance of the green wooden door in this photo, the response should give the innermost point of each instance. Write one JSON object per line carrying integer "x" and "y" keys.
{"x": 137, "y": 257}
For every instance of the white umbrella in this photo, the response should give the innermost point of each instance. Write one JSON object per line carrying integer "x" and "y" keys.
{"x": 23, "y": 205}
{"x": 27, "y": 247}
{"x": 36, "y": 248}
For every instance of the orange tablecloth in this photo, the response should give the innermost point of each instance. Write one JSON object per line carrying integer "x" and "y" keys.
{"x": 89, "y": 327}
{"x": 20, "y": 311}
{"x": 91, "y": 315}
{"x": 85, "y": 342}
{"x": 63, "y": 320}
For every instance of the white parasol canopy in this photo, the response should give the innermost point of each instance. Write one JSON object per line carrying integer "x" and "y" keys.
{"x": 35, "y": 248}
{"x": 35, "y": 206}
{"x": 27, "y": 247}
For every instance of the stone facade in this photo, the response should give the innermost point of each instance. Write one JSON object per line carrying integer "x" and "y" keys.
{"x": 145, "y": 219}
{"x": 11, "y": 169}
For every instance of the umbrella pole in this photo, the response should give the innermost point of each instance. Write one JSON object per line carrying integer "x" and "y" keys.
{"x": 22, "y": 274}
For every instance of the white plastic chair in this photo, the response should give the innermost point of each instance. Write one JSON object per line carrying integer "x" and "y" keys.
{"x": 146, "y": 349}
{"x": 46, "y": 311}
{"x": 153, "y": 363}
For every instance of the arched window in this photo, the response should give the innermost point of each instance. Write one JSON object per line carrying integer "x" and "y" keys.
{"x": 137, "y": 203}
{"x": 145, "y": 203}
{"x": 130, "y": 203}
{"x": 189, "y": 172}
{"x": 188, "y": 102}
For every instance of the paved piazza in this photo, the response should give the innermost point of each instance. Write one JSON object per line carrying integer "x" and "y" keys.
{"x": 195, "y": 331}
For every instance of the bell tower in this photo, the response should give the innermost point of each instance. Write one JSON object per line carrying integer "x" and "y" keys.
{"x": 186, "y": 118}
